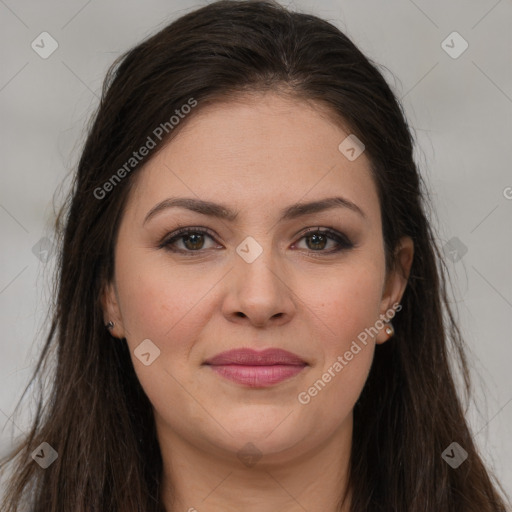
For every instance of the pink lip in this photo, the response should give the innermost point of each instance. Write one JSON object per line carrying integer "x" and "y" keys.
{"x": 257, "y": 369}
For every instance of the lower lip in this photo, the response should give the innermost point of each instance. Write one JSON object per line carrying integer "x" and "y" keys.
{"x": 257, "y": 376}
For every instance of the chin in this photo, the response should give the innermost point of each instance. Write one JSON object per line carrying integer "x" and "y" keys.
{"x": 272, "y": 435}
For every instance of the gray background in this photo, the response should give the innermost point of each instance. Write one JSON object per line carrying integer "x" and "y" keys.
{"x": 459, "y": 108}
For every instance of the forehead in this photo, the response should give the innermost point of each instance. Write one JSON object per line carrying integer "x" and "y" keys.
{"x": 259, "y": 150}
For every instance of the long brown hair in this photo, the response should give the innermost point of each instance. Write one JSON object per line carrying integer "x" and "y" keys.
{"x": 96, "y": 415}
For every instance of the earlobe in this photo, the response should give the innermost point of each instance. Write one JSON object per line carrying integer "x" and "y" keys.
{"x": 388, "y": 331}
{"x": 111, "y": 313}
{"x": 396, "y": 284}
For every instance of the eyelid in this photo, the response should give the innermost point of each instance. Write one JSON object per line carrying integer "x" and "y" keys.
{"x": 181, "y": 231}
{"x": 344, "y": 243}
{"x": 324, "y": 230}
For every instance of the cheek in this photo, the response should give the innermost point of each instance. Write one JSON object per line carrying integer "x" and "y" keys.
{"x": 348, "y": 307}
{"x": 157, "y": 299}
{"x": 348, "y": 303}
{"x": 164, "y": 306}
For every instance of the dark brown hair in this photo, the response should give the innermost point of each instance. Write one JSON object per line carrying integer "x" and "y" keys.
{"x": 96, "y": 415}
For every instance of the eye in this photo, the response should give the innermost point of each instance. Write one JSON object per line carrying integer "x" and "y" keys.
{"x": 320, "y": 237}
{"x": 193, "y": 239}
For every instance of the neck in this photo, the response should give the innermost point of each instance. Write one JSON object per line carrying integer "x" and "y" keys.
{"x": 201, "y": 480}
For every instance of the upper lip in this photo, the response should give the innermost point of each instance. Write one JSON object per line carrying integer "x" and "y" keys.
{"x": 249, "y": 357}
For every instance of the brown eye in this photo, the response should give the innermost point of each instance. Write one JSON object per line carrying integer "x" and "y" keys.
{"x": 317, "y": 240}
{"x": 193, "y": 240}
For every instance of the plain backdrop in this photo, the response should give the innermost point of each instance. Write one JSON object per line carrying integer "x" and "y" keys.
{"x": 458, "y": 103}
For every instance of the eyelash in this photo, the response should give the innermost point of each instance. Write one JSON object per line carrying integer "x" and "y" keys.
{"x": 343, "y": 241}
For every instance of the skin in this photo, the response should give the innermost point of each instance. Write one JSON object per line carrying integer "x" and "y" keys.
{"x": 255, "y": 156}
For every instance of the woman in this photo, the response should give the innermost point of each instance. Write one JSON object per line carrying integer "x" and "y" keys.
{"x": 250, "y": 299}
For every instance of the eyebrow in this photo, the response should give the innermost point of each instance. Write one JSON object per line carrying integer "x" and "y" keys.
{"x": 221, "y": 211}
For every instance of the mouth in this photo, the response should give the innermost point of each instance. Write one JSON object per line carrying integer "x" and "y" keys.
{"x": 257, "y": 368}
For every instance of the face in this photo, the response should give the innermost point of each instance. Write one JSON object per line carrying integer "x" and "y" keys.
{"x": 255, "y": 279}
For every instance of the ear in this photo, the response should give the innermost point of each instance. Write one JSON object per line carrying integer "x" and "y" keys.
{"x": 396, "y": 282}
{"x": 111, "y": 311}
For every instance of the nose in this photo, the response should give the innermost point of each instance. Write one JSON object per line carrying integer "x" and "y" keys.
{"x": 260, "y": 292}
